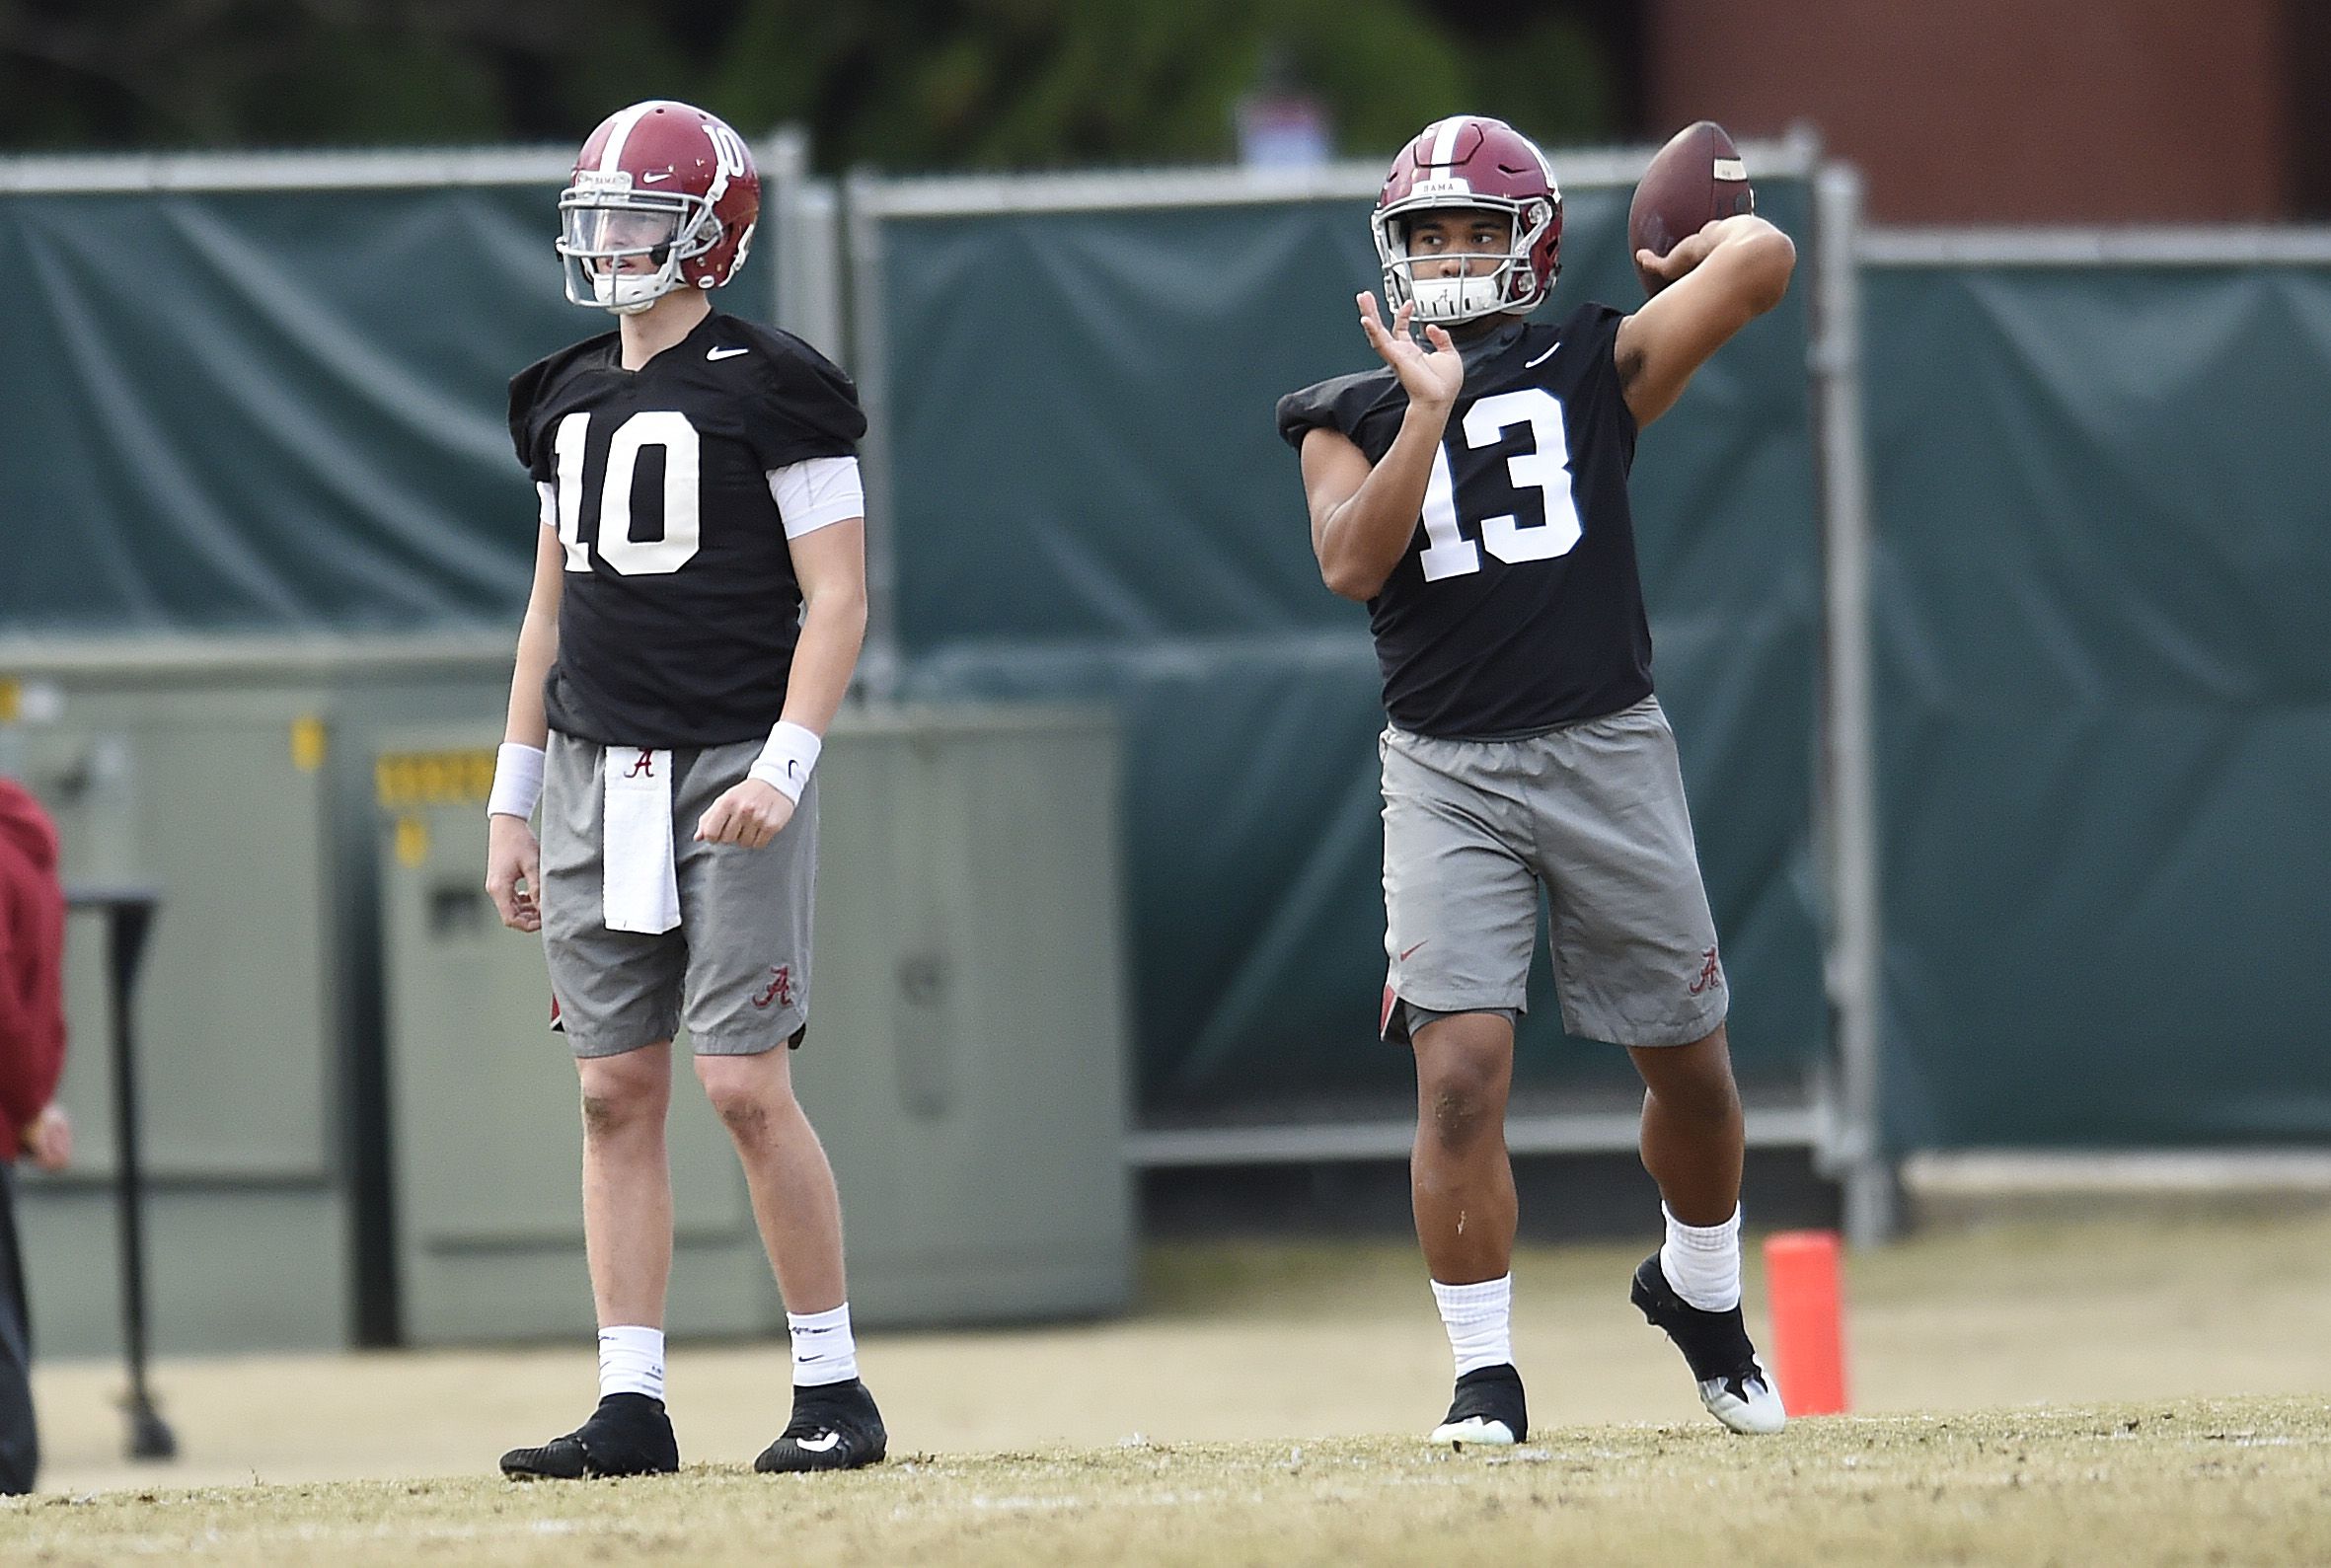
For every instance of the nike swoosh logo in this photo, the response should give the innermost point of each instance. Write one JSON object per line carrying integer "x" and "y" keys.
{"x": 823, "y": 1443}
{"x": 649, "y": 179}
{"x": 725, "y": 353}
{"x": 1405, "y": 957}
{"x": 1541, "y": 359}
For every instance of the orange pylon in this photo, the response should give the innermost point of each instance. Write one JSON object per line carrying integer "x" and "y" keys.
{"x": 1808, "y": 1320}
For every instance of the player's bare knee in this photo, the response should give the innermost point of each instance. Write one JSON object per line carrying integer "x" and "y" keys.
{"x": 1463, "y": 1092}
{"x": 746, "y": 1116}
{"x": 1692, "y": 1081}
{"x": 1460, "y": 1113}
{"x": 612, "y": 1113}
{"x": 602, "y": 1114}
{"x": 749, "y": 1104}
{"x": 623, "y": 1092}
{"x": 1710, "y": 1101}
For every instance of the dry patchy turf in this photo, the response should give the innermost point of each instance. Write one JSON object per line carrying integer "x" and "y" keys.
{"x": 2196, "y": 1481}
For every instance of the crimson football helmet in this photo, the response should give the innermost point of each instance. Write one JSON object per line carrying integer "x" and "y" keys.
{"x": 664, "y": 196}
{"x": 1471, "y": 162}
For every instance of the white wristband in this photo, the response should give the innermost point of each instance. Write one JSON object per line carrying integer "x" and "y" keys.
{"x": 784, "y": 763}
{"x": 517, "y": 781}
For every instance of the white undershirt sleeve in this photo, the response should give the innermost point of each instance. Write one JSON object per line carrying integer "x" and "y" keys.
{"x": 816, "y": 493}
{"x": 550, "y": 503}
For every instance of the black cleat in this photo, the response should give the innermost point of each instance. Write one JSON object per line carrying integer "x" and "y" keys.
{"x": 1488, "y": 1410}
{"x": 627, "y": 1435}
{"x": 1733, "y": 1383}
{"x": 835, "y": 1427}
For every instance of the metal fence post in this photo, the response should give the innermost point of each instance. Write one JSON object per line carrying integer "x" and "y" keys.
{"x": 878, "y": 665}
{"x": 1857, "y": 1151}
{"x": 804, "y": 247}
{"x": 784, "y": 161}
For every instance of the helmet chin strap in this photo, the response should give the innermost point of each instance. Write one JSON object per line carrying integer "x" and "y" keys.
{"x": 630, "y": 293}
{"x": 609, "y": 288}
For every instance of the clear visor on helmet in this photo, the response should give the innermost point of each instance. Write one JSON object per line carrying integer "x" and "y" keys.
{"x": 622, "y": 251}
{"x": 599, "y": 236}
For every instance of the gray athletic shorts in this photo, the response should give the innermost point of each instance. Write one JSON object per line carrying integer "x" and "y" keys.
{"x": 736, "y": 968}
{"x": 1592, "y": 812}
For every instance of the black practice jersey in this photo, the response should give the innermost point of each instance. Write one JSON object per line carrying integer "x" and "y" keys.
{"x": 1518, "y": 606}
{"x": 680, "y": 609}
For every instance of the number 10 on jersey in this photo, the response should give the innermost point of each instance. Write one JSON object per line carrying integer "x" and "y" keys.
{"x": 1545, "y": 468}
{"x": 682, "y": 526}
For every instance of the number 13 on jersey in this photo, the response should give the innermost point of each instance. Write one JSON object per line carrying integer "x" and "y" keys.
{"x": 1545, "y": 468}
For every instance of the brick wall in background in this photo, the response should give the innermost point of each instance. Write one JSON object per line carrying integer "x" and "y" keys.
{"x": 2011, "y": 112}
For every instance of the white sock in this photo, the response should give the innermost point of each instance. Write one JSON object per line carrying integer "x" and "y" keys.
{"x": 1480, "y": 1323}
{"x": 823, "y": 1350}
{"x": 632, "y": 1361}
{"x": 1703, "y": 1263}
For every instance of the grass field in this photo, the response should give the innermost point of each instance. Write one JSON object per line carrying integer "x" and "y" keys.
{"x": 2163, "y": 1482}
{"x": 2125, "y": 1392}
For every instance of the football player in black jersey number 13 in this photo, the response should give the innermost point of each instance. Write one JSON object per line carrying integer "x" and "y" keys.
{"x": 698, "y": 601}
{"x": 1472, "y": 491}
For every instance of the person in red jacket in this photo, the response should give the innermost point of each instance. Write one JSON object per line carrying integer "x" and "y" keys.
{"x": 32, "y": 1058}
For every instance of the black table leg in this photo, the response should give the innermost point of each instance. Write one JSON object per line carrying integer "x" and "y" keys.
{"x": 129, "y": 919}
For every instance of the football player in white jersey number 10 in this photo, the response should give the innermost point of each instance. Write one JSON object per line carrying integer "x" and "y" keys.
{"x": 1472, "y": 491}
{"x": 698, "y": 601}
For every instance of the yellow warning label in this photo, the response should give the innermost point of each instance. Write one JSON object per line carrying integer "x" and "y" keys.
{"x": 403, "y": 780}
{"x": 412, "y": 841}
{"x": 307, "y": 743}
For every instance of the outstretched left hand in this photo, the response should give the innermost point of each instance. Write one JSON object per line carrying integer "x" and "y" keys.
{"x": 750, "y": 814}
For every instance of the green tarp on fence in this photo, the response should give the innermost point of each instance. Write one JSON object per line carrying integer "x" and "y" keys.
{"x": 270, "y": 409}
{"x": 2103, "y": 544}
{"x": 1090, "y": 497}
{"x": 2101, "y": 566}
{"x": 282, "y": 409}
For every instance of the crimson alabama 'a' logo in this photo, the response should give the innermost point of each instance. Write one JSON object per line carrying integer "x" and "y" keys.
{"x": 646, "y": 765}
{"x": 779, "y": 988}
{"x": 1710, "y": 973}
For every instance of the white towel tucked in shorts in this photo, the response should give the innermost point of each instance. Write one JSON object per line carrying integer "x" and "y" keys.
{"x": 642, "y": 887}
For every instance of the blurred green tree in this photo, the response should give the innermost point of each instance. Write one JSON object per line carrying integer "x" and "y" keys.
{"x": 241, "y": 73}
{"x": 893, "y": 84}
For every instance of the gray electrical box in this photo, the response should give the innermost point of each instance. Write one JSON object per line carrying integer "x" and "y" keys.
{"x": 222, "y": 799}
{"x": 232, "y": 777}
{"x": 484, "y": 1126}
{"x": 967, "y": 1053}
{"x": 965, "y": 1064}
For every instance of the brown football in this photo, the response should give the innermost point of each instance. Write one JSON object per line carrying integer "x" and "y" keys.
{"x": 1696, "y": 179}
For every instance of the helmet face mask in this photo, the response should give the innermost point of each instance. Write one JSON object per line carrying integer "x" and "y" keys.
{"x": 624, "y": 251}
{"x": 1507, "y": 286}
{"x": 1470, "y": 164}
{"x": 663, "y": 197}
